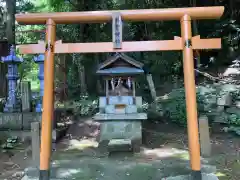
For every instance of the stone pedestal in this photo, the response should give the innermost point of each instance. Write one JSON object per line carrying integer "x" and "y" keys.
{"x": 12, "y": 61}
{"x": 120, "y": 135}
{"x": 40, "y": 61}
{"x": 122, "y": 129}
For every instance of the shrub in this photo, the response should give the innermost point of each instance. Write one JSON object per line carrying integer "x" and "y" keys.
{"x": 173, "y": 105}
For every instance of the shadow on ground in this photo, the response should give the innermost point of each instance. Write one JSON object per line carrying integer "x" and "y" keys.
{"x": 163, "y": 153}
{"x": 77, "y": 157}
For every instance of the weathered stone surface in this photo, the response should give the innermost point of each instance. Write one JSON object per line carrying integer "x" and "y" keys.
{"x": 26, "y": 96}
{"x": 18, "y": 121}
{"x": 237, "y": 103}
{"x": 221, "y": 118}
{"x": 233, "y": 110}
{"x": 225, "y": 99}
{"x": 12, "y": 60}
{"x": 110, "y": 117}
{"x": 139, "y": 102}
{"x": 210, "y": 97}
{"x": 11, "y": 121}
{"x": 220, "y": 109}
{"x": 28, "y": 118}
{"x": 131, "y": 109}
{"x": 35, "y": 135}
{"x": 204, "y": 136}
{"x": 120, "y": 130}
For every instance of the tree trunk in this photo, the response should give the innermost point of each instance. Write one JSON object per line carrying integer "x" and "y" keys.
{"x": 83, "y": 87}
{"x": 97, "y": 57}
{"x": 151, "y": 86}
{"x": 3, "y": 80}
{"x": 10, "y": 28}
{"x": 10, "y": 34}
{"x": 81, "y": 69}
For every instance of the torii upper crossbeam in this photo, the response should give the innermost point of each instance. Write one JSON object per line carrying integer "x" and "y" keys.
{"x": 195, "y": 13}
{"x": 186, "y": 43}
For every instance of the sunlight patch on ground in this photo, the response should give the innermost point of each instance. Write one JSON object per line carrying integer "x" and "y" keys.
{"x": 219, "y": 174}
{"x": 58, "y": 163}
{"x": 164, "y": 152}
{"x": 183, "y": 156}
{"x": 69, "y": 172}
{"x": 82, "y": 144}
{"x": 130, "y": 165}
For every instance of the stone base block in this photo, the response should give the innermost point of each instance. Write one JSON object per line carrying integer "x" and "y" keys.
{"x": 120, "y": 130}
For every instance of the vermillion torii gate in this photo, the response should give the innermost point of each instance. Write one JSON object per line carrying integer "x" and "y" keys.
{"x": 186, "y": 43}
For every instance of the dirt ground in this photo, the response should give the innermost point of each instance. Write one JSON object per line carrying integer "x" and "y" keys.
{"x": 225, "y": 148}
{"x": 13, "y": 162}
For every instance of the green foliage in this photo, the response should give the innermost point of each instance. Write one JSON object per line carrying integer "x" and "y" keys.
{"x": 84, "y": 106}
{"x": 160, "y": 63}
{"x": 234, "y": 119}
{"x": 10, "y": 143}
{"x": 32, "y": 77}
{"x": 174, "y": 105}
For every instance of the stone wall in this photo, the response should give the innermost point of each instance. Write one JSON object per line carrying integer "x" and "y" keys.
{"x": 23, "y": 120}
{"x": 18, "y": 121}
{"x": 219, "y": 101}
{"x": 222, "y": 104}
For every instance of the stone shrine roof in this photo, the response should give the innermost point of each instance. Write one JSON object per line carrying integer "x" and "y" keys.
{"x": 128, "y": 65}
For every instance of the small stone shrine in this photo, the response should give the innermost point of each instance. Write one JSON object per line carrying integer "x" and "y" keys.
{"x": 120, "y": 109}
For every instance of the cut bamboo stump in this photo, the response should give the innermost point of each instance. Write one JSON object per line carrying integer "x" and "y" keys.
{"x": 205, "y": 141}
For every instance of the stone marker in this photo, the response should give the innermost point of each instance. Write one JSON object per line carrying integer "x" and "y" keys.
{"x": 35, "y": 128}
{"x": 204, "y": 136}
{"x": 26, "y": 96}
{"x": 225, "y": 99}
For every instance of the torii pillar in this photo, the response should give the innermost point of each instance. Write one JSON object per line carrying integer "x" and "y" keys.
{"x": 190, "y": 93}
{"x": 48, "y": 99}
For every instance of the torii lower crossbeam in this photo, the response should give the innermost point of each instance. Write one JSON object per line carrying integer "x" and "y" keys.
{"x": 131, "y": 46}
